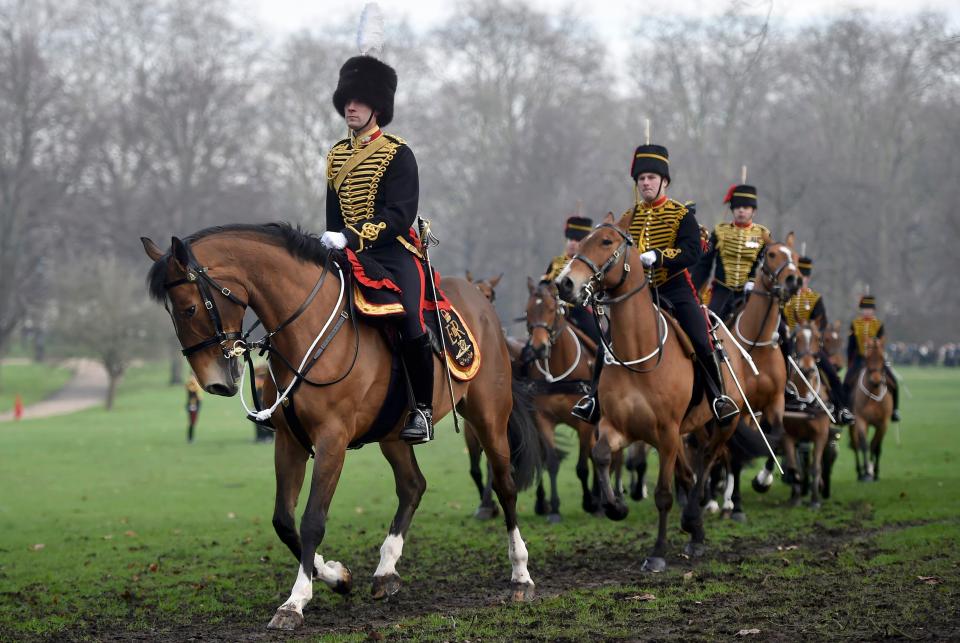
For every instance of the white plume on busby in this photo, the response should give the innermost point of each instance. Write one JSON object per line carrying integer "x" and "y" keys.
{"x": 370, "y": 33}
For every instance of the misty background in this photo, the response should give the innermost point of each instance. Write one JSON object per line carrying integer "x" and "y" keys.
{"x": 129, "y": 118}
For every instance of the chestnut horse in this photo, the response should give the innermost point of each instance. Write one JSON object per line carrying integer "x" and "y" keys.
{"x": 209, "y": 279}
{"x": 649, "y": 390}
{"x": 812, "y": 425}
{"x": 872, "y": 405}
{"x": 560, "y": 370}
{"x": 755, "y": 327}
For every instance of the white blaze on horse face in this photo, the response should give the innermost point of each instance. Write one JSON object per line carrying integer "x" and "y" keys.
{"x": 518, "y": 557}
{"x": 390, "y": 552}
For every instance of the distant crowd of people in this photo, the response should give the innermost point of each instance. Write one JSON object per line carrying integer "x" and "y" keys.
{"x": 924, "y": 354}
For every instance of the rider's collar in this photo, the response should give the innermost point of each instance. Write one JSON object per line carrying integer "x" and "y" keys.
{"x": 656, "y": 204}
{"x": 749, "y": 224}
{"x": 360, "y": 140}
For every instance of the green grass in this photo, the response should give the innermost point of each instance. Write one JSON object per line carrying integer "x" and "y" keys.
{"x": 33, "y": 382}
{"x": 142, "y": 533}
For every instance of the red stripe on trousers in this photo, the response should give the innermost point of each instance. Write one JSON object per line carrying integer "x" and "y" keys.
{"x": 696, "y": 298}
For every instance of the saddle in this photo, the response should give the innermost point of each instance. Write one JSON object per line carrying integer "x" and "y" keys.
{"x": 667, "y": 307}
{"x": 376, "y": 296}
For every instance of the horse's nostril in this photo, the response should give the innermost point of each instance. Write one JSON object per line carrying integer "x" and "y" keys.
{"x": 218, "y": 389}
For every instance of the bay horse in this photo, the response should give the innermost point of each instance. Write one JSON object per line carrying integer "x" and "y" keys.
{"x": 811, "y": 425}
{"x": 872, "y": 406}
{"x": 755, "y": 327}
{"x": 650, "y": 390}
{"x": 560, "y": 373}
{"x": 208, "y": 280}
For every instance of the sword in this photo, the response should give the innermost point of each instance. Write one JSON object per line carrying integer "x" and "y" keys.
{"x": 726, "y": 360}
{"x": 426, "y": 237}
{"x": 810, "y": 388}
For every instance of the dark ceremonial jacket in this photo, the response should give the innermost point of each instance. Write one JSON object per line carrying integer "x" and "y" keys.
{"x": 735, "y": 250}
{"x": 807, "y": 304}
{"x": 669, "y": 228}
{"x": 557, "y": 264}
{"x": 376, "y": 203}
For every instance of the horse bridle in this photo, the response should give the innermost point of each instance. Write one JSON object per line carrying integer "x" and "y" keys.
{"x": 551, "y": 329}
{"x": 199, "y": 276}
{"x": 597, "y": 273}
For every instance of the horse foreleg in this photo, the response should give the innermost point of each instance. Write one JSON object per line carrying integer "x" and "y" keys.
{"x": 410, "y": 485}
{"x": 736, "y": 466}
{"x": 326, "y": 472}
{"x": 547, "y": 430}
{"x": 638, "y": 458}
{"x": 585, "y": 433}
{"x": 792, "y": 475}
{"x": 875, "y": 444}
{"x": 863, "y": 449}
{"x": 816, "y": 466}
{"x": 667, "y": 449}
{"x": 614, "y": 508}
{"x": 691, "y": 520}
{"x": 290, "y": 463}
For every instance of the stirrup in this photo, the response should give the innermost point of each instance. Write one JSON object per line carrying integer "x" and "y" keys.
{"x": 895, "y": 416}
{"x": 587, "y": 409}
{"x": 845, "y": 416}
{"x": 419, "y": 426}
{"x": 724, "y": 408}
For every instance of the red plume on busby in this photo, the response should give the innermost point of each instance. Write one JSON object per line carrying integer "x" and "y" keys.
{"x": 730, "y": 192}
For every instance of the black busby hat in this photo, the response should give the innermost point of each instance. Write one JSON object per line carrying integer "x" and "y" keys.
{"x": 370, "y": 81}
{"x": 805, "y": 265}
{"x": 651, "y": 158}
{"x": 868, "y": 301}
{"x": 578, "y": 227}
{"x": 741, "y": 196}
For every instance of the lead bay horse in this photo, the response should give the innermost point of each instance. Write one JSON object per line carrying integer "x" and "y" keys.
{"x": 650, "y": 392}
{"x": 872, "y": 405}
{"x": 209, "y": 279}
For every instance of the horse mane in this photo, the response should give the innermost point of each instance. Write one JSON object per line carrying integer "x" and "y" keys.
{"x": 300, "y": 244}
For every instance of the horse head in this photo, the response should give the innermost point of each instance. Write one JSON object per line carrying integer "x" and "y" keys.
{"x": 777, "y": 273}
{"x": 207, "y": 312}
{"x": 601, "y": 265}
{"x": 806, "y": 346}
{"x": 544, "y": 314}
{"x": 875, "y": 362}
{"x": 487, "y": 287}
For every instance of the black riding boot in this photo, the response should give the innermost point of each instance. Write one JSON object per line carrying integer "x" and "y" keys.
{"x": 588, "y": 407}
{"x": 418, "y": 357}
{"x": 837, "y": 392}
{"x": 723, "y": 406}
{"x": 895, "y": 391}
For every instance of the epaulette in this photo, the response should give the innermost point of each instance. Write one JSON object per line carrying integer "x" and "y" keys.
{"x": 674, "y": 206}
{"x": 395, "y": 139}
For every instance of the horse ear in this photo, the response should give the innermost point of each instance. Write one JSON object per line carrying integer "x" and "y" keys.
{"x": 469, "y": 277}
{"x": 179, "y": 252}
{"x": 493, "y": 281}
{"x": 531, "y": 285}
{"x": 153, "y": 250}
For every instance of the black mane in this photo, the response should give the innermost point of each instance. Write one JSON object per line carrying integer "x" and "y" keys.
{"x": 303, "y": 245}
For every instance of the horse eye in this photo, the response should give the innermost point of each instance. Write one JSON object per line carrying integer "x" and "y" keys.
{"x": 190, "y": 312}
{"x": 608, "y": 242}
{"x": 770, "y": 255}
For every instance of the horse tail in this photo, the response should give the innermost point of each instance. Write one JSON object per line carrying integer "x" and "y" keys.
{"x": 526, "y": 450}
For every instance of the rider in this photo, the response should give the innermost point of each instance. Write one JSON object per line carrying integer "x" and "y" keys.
{"x": 734, "y": 248}
{"x": 807, "y": 305}
{"x": 667, "y": 236}
{"x": 372, "y": 196}
{"x": 575, "y": 230}
{"x": 865, "y": 327}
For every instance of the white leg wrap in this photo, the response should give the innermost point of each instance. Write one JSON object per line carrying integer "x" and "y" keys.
{"x": 765, "y": 477}
{"x": 330, "y": 572}
{"x": 712, "y": 507}
{"x": 518, "y": 557}
{"x": 390, "y": 552}
{"x": 728, "y": 493}
{"x": 302, "y": 592}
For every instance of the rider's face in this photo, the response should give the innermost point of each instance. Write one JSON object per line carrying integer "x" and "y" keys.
{"x": 651, "y": 186}
{"x": 743, "y": 214}
{"x": 358, "y": 114}
{"x": 573, "y": 246}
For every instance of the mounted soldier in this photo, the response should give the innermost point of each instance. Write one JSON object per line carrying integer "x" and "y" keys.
{"x": 733, "y": 251}
{"x": 864, "y": 327}
{"x": 576, "y": 228}
{"x": 372, "y": 197}
{"x": 667, "y": 237}
{"x": 808, "y": 305}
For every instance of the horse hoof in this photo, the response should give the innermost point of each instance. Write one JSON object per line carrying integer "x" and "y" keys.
{"x": 713, "y": 506}
{"x": 540, "y": 508}
{"x": 521, "y": 592}
{"x": 385, "y": 586}
{"x": 554, "y": 519}
{"x": 738, "y": 516}
{"x": 654, "y": 565}
{"x": 286, "y": 619}
{"x": 759, "y": 488}
{"x": 486, "y": 513}
{"x": 345, "y": 584}
{"x": 615, "y": 511}
{"x": 695, "y": 550}
{"x": 589, "y": 504}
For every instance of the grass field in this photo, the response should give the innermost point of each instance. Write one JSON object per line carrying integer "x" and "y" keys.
{"x": 113, "y": 527}
{"x": 33, "y": 382}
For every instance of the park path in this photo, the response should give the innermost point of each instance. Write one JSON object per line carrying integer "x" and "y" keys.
{"x": 87, "y": 388}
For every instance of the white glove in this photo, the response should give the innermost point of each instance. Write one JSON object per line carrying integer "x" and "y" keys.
{"x": 648, "y": 258}
{"x": 747, "y": 287}
{"x": 334, "y": 240}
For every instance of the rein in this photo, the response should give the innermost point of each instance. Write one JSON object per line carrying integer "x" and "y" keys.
{"x": 599, "y": 301}
{"x": 775, "y": 293}
{"x": 545, "y": 369}
{"x": 552, "y": 335}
